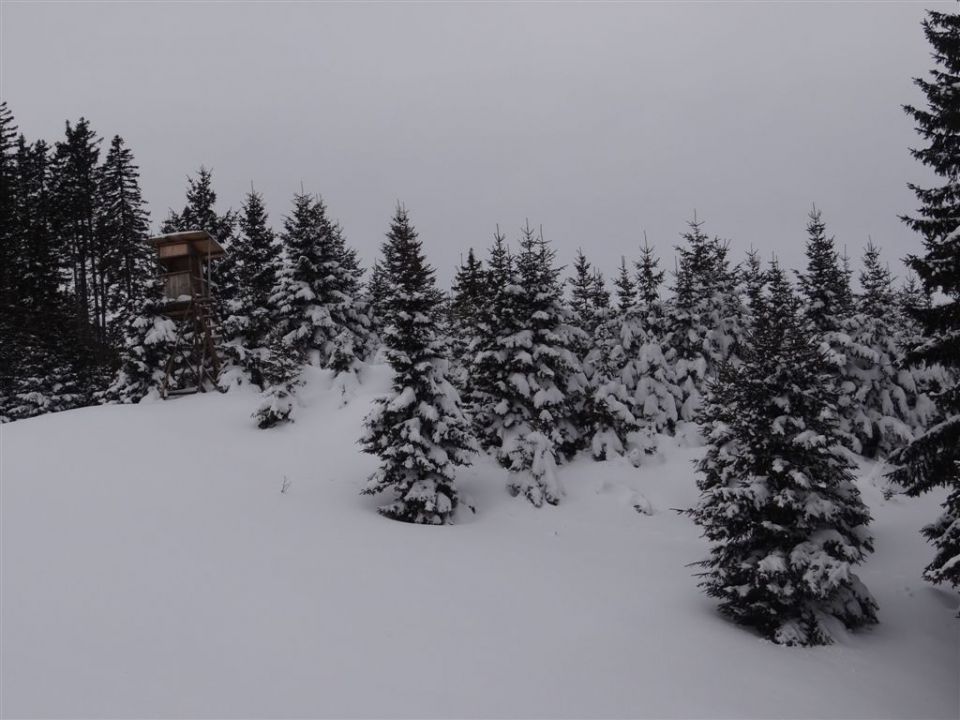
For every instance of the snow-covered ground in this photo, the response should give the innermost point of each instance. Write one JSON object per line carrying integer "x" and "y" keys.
{"x": 151, "y": 566}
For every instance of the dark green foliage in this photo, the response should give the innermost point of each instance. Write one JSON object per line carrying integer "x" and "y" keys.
{"x": 778, "y": 499}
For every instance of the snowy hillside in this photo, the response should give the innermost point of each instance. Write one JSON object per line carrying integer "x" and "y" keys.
{"x": 151, "y": 566}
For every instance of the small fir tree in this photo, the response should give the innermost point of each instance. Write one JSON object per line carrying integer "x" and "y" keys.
{"x": 280, "y": 370}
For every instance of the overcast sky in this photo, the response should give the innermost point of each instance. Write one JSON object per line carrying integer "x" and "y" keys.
{"x": 598, "y": 121}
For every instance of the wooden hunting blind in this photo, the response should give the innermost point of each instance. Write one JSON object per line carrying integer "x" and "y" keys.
{"x": 186, "y": 264}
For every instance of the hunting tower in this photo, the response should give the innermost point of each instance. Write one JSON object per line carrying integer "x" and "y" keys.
{"x": 186, "y": 260}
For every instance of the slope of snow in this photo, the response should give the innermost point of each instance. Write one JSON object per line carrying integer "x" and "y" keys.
{"x": 151, "y": 566}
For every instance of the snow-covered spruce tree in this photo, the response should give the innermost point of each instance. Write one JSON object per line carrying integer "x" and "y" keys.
{"x": 147, "y": 339}
{"x": 319, "y": 296}
{"x": 887, "y": 405}
{"x": 537, "y": 404}
{"x": 52, "y": 364}
{"x": 486, "y": 354}
{"x": 122, "y": 228}
{"x": 933, "y": 459}
{"x": 603, "y": 408}
{"x": 9, "y": 254}
{"x": 585, "y": 316}
{"x": 626, "y": 288}
{"x": 754, "y": 282}
{"x": 280, "y": 370}
{"x": 252, "y": 313}
{"x": 419, "y": 433}
{"x": 778, "y": 499}
{"x": 828, "y": 312}
{"x": 74, "y": 171}
{"x": 705, "y": 315}
{"x": 824, "y": 285}
{"x": 612, "y": 428}
{"x": 468, "y": 295}
{"x": 647, "y": 371}
{"x": 375, "y": 297}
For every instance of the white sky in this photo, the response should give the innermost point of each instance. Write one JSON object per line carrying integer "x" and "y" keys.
{"x": 597, "y": 121}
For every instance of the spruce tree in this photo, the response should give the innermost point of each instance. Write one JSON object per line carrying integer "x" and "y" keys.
{"x": 75, "y": 180}
{"x": 468, "y": 295}
{"x": 885, "y": 404}
{"x": 419, "y": 432}
{"x": 610, "y": 426}
{"x": 824, "y": 284}
{"x": 754, "y": 281}
{"x": 828, "y": 312}
{"x": 778, "y": 499}
{"x": 582, "y": 291}
{"x": 626, "y": 288}
{"x": 487, "y": 351}
{"x": 602, "y": 404}
{"x": 536, "y": 406}
{"x": 9, "y": 253}
{"x": 122, "y": 229}
{"x": 280, "y": 374}
{"x": 53, "y": 357}
{"x": 253, "y": 311}
{"x": 933, "y": 459}
{"x": 649, "y": 275}
{"x": 705, "y": 315}
{"x": 376, "y": 299}
{"x": 147, "y": 339}
{"x": 319, "y": 296}
{"x": 648, "y": 372}
{"x": 9, "y": 242}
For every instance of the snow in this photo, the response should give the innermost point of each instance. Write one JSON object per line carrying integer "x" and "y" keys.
{"x": 153, "y": 565}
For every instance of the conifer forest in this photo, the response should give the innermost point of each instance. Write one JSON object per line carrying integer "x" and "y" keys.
{"x": 776, "y": 387}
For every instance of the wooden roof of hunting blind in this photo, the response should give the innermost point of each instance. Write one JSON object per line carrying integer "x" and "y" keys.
{"x": 180, "y": 244}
